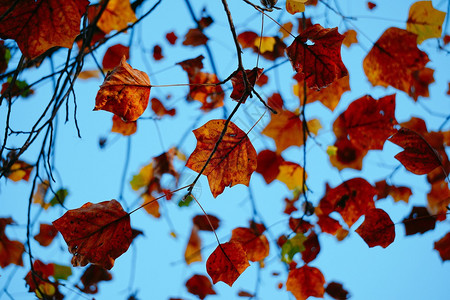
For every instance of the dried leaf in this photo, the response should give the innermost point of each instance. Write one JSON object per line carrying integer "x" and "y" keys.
{"x": 110, "y": 18}
{"x": 419, "y": 221}
{"x": 193, "y": 249}
{"x": 114, "y": 55}
{"x": 443, "y": 246}
{"x": 122, "y": 127}
{"x": 255, "y": 244}
{"x": 195, "y": 37}
{"x": 306, "y": 282}
{"x": 124, "y": 92}
{"x": 295, "y": 6}
{"x": 312, "y": 248}
{"x": 200, "y": 286}
{"x": 232, "y": 163}
{"x": 201, "y": 221}
{"x": 425, "y": 21}
{"x": 160, "y": 110}
{"x": 291, "y": 174}
{"x": 336, "y": 290}
{"x": 96, "y": 233}
{"x": 91, "y": 277}
{"x": 239, "y": 85}
{"x": 227, "y": 262}
{"x": 350, "y": 38}
{"x": 171, "y": 38}
{"x": 10, "y": 251}
{"x": 46, "y": 234}
{"x": 268, "y": 165}
{"x": 157, "y": 52}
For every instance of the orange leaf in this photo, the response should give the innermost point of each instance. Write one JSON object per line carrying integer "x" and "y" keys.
{"x": 96, "y": 233}
{"x": 227, "y": 262}
{"x": 439, "y": 199}
{"x": 46, "y": 234}
{"x": 305, "y": 282}
{"x": 124, "y": 92}
{"x": 349, "y": 38}
{"x": 319, "y": 64}
{"x": 200, "y": 286}
{"x": 195, "y": 37}
{"x": 291, "y": 174}
{"x": 328, "y": 96}
{"x": 193, "y": 249}
{"x": 443, "y": 246}
{"x": 268, "y": 165}
{"x": 351, "y": 199}
{"x": 348, "y": 155}
{"x": 151, "y": 205}
{"x": 124, "y": 128}
{"x": 203, "y": 89}
{"x": 247, "y": 39}
{"x": 37, "y": 26}
{"x": 20, "y": 170}
{"x": 110, "y": 18}
{"x": 10, "y": 251}
{"x": 287, "y": 130}
{"x": 418, "y": 156}
{"x": 419, "y": 221}
{"x": 232, "y": 163}
{"x": 239, "y": 86}
{"x": 396, "y": 192}
{"x": 91, "y": 277}
{"x": 393, "y": 60}
{"x": 367, "y": 121}
{"x": 255, "y": 244}
{"x": 377, "y": 228}
{"x": 114, "y": 55}
{"x": 160, "y": 110}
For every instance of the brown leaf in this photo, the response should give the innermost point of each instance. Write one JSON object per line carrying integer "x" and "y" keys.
{"x": 200, "y": 286}
{"x": 233, "y": 162}
{"x": 377, "y": 228}
{"x": 47, "y": 233}
{"x": 114, "y": 55}
{"x": 122, "y": 127}
{"x": 255, "y": 244}
{"x": 37, "y": 26}
{"x": 227, "y": 262}
{"x": 124, "y": 92}
{"x": 268, "y": 165}
{"x": 201, "y": 221}
{"x": 336, "y": 290}
{"x": 319, "y": 64}
{"x": 10, "y": 251}
{"x": 312, "y": 248}
{"x": 91, "y": 277}
{"x": 443, "y": 246}
{"x": 96, "y": 233}
{"x": 157, "y": 52}
{"x": 419, "y": 221}
{"x": 171, "y": 38}
{"x": 239, "y": 85}
{"x": 195, "y": 37}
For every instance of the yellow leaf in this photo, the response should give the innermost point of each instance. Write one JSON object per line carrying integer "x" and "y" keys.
{"x": 425, "y": 21}
{"x": 267, "y": 43}
{"x": 295, "y": 6}
{"x": 332, "y": 150}
{"x": 286, "y": 30}
{"x": 117, "y": 15}
{"x": 291, "y": 174}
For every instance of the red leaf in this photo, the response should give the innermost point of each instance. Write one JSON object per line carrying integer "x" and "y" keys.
{"x": 351, "y": 199}
{"x": 200, "y": 286}
{"x": 328, "y": 224}
{"x": 46, "y": 234}
{"x": 227, "y": 262}
{"x": 171, "y": 38}
{"x": 419, "y": 221}
{"x": 96, "y": 233}
{"x": 418, "y": 156}
{"x": 306, "y": 282}
{"x": 377, "y": 228}
{"x": 114, "y": 55}
{"x": 368, "y": 122}
{"x": 319, "y": 64}
{"x": 233, "y": 162}
{"x": 443, "y": 246}
{"x": 157, "y": 52}
{"x": 195, "y": 37}
{"x": 91, "y": 277}
{"x": 268, "y": 165}
{"x": 124, "y": 92}
{"x": 247, "y": 39}
{"x": 10, "y": 251}
{"x": 239, "y": 85}
{"x": 255, "y": 244}
{"x": 312, "y": 248}
{"x": 32, "y": 24}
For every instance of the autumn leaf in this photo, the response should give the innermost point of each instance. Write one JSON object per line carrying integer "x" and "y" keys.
{"x": 306, "y": 282}
{"x": 122, "y": 127}
{"x": 227, "y": 262}
{"x": 377, "y": 228}
{"x": 394, "y": 59}
{"x": 47, "y": 233}
{"x": 195, "y": 37}
{"x": 319, "y": 64}
{"x": 439, "y": 199}
{"x": 295, "y": 6}
{"x": 268, "y": 165}
{"x": 298, "y": 225}
{"x": 443, "y": 247}
{"x": 150, "y": 204}
{"x": 351, "y": 200}
{"x": 114, "y": 55}
{"x": 398, "y": 193}
{"x": 349, "y": 38}
{"x": 255, "y": 244}
{"x": 20, "y": 88}
{"x": 286, "y": 29}
{"x": 292, "y": 246}
{"x": 329, "y": 96}
{"x": 124, "y": 92}
{"x": 39, "y": 282}
{"x": 96, "y": 233}
{"x": 425, "y": 21}
{"x": 368, "y": 122}
{"x": 39, "y": 195}
{"x": 203, "y": 88}
{"x": 110, "y": 18}
{"x": 10, "y": 251}
{"x": 348, "y": 154}
{"x": 286, "y": 129}
{"x": 200, "y": 286}
{"x": 337, "y": 291}
{"x": 239, "y": 85}
{"x": 201, "y": 221}
{"x": 419, "y": 221}
{"x": 418, "y": 156}
{"x": 157, "y": 53}
{"x": 247, "y": 39}
{"x": 160, "y": 110}
{"x": 5, "y": 56}
{"x": 291, "y": 174}
{"x": 275, "y": 101}
{"x": 171, "y": 37}
{"x": 233, "y": 162}
{"x": 371, "y": 5}
{"x": 91, "y": 277}
{"x": 312, "y": 248}
{"x": 265, "y": 44}
{"x": 20, "y": 170}
{"x": 193, "y": 249}
{"x": 328, "y": 224}
{"x": 37, "y": 26}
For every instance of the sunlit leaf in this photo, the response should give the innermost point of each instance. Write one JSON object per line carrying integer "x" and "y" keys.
{"x": 306, "y": 282}
{"x": 425, "y": 21}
